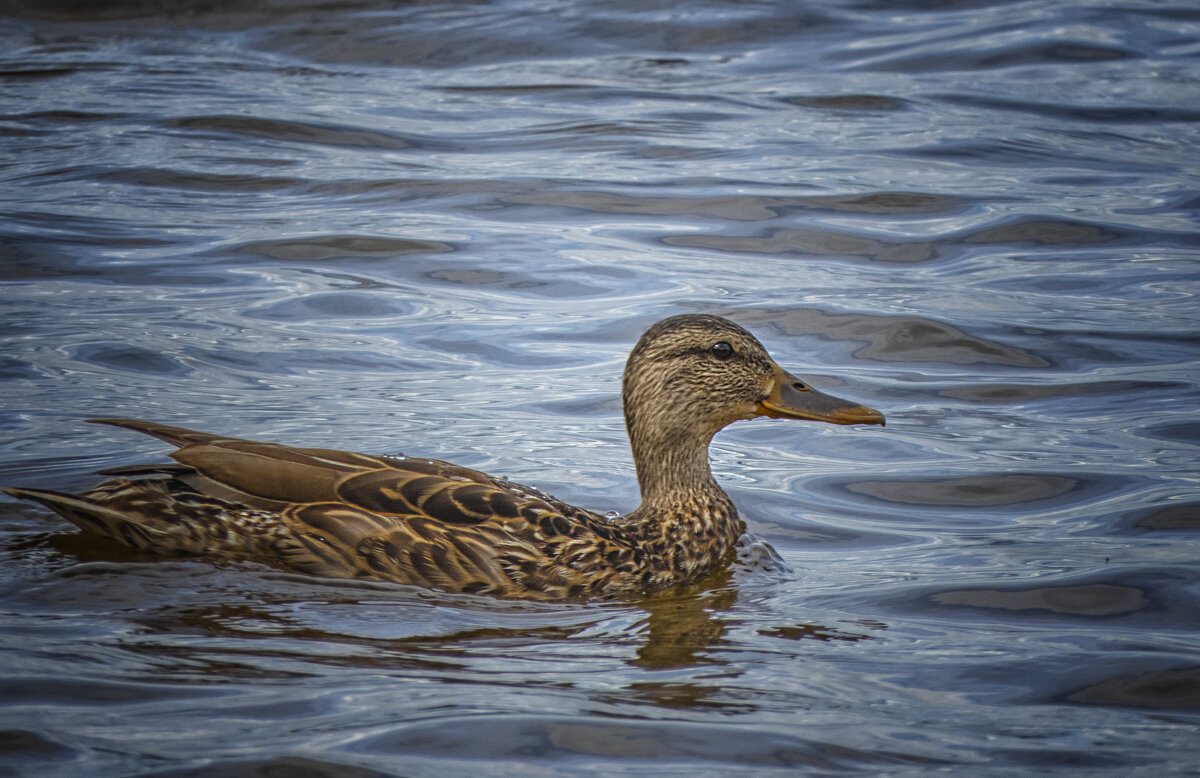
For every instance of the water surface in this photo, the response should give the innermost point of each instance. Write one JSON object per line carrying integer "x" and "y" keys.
{"x": 439, "y": 228}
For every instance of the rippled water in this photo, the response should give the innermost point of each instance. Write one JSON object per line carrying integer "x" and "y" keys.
{"x": 439, "y": 227}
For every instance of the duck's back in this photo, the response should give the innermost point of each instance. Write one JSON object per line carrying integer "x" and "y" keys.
{"x": 351, "y": 515}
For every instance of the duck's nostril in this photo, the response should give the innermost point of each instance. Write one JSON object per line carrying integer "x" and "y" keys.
{"x": 800, "y": 387}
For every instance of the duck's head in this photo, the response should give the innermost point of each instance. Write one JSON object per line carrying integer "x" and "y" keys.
{"x": 691, "y": 375}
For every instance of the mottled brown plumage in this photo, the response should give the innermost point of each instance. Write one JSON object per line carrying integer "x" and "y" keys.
{"x": 436, "y": 524}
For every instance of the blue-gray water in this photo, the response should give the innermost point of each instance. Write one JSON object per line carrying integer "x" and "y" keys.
{"x": 439, "y": 228}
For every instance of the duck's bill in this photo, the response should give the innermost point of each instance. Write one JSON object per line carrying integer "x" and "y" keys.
{"x": 792, "y": 398}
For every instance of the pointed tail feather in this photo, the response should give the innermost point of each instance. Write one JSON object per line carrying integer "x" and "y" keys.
{"x": 179, "y": 436}
{"x": 91, "y": 516}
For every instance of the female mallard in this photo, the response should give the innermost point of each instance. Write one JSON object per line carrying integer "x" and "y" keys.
{"x": 435, "y": 524}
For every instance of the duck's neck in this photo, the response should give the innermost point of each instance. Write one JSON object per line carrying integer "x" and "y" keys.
{"x": 685, "y": 520}
{"x": 672, "y": 466}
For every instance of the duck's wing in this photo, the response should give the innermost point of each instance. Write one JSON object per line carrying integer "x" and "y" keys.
{"x": 398, "y": 518}
{"x": 272, "y": 476}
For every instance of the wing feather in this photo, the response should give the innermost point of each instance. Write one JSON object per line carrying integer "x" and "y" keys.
{"x": 420, "y": 521}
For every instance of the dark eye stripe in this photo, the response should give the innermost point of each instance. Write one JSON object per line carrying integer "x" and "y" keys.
{"x": 722, "y": 350}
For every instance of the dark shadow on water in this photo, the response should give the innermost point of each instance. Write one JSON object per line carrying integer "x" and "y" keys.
{"x": 968, "y": 491}
{"x": 1179, "y": 689}
{"x": 319, "y": 248}
{"x": 893, "y": 338}
{"x": 1185, "y": 516}
{"x": 985, "y": 494}
{"x": 292, "y": 767}
{"x": 1086, "y": 600}
{"x": 821, "y": 633}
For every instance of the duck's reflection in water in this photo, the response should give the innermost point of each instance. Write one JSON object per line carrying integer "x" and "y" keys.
{"x": 682, "y": 627}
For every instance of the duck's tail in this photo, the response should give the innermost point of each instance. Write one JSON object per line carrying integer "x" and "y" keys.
{"x": 179, "y": 436}
{"x": 92, "y": 516}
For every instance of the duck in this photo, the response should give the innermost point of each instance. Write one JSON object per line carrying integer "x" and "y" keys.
{"x": 442, "y": 526}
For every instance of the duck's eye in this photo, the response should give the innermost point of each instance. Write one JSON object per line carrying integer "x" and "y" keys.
{"x": 722, "y": 350}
